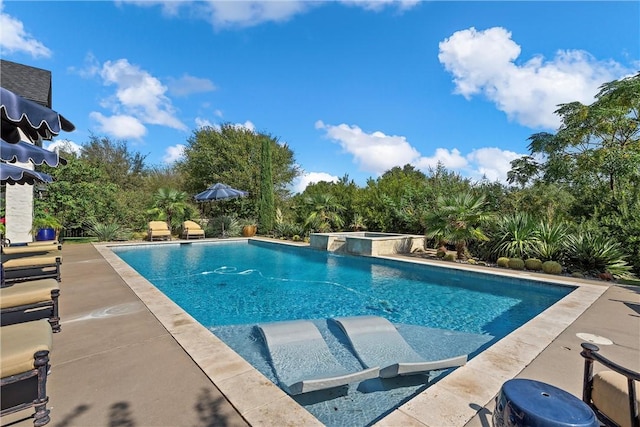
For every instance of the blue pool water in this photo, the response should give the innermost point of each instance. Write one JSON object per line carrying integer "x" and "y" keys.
{"x": 231, "y": 286}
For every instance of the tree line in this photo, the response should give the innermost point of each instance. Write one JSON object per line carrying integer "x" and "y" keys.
{"x": 574, "y": 197}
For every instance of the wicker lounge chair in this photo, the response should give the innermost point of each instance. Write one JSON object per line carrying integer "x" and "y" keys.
{"x": 192, "y": 230}
{"x": 31, "y": 300}
{"x": 302, "y": 360}
{"x": 612, "y": 393}
{"x": 24, "y": 364}
{"x": 377, "y": 343}
{"x": 158, "y": 230}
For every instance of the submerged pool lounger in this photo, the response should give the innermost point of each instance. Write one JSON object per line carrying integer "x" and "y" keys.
{"x": 378, "y": 343}
{"x": 302, "y": 360}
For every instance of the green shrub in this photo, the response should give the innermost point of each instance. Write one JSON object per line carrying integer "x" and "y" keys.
{"x": 577, "y": 275}
{"x": 594, "y": 253}
{"x": 107, "y": 232}
{"x": 533, "y": 264}
{"x": 516, "y": 264}
{"x": 516, "y": 235}
{"x": 472, "y": 261}
{"x": 449, "y": 257}
{"x": 441, "y": 254}
{"x": 551, "y": 267}
{"x": 503, "y": 262}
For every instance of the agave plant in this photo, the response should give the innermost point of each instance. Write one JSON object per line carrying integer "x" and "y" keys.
{"x": 107, "y": 232}
{"x": 594, "y": 253}
{"x": 517, "y": 236}
{"x": 225, "y": 226}
{"x": 552, "y": 241}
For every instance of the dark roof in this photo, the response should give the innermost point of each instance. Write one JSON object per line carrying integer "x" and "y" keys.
{"x": 29, "y": 82}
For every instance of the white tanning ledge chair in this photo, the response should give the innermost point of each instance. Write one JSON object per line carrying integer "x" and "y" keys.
{"x": 377, "y": 342}
{"x": 302, "y": 360}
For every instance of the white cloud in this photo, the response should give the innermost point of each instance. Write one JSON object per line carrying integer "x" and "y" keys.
{"x": 491, "y": 162}
{"x": 378, "y": 5}
{"x": 249, "y": 13}
{"x": 377, "y": 153}
{"x": 64, "y": 145}
{"x": 14, "y": 38}
{"x": 120, "y": 126}
{"x": 373, "y": 152}
{"x": 186, "y": 85}
{"x": 484, "y": 62}
{"x": 173, "y": 153}
{"x": 204, "y": 123}
{"x": 301, "y": 182}
{"x": 449, "y": 159}
{"x": 139, "y": 94}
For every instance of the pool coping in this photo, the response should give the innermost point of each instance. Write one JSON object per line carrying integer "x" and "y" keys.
{"x": 452, "y": 401}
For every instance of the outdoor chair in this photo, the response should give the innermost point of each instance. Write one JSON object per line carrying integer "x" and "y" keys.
{"x": 35, "y": 248}
{"x": 24, "y": 366}
{"x": 612, "y": 393}
{"x": 191, "y": 229}
{"x": 27, "y": 301}
{"x": 25, "y": 266}
{"x": 158, "y": 230}
{"x": 377, "y": 342}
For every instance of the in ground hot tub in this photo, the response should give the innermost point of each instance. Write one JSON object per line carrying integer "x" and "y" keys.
{"x": 367, "y": 243}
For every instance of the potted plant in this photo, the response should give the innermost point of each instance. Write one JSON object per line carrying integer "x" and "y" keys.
{"x": 46, "y": 227}
{"x": 249, "y": 228}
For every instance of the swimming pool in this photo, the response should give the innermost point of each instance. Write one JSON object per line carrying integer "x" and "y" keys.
{"x": 433, "y": 298}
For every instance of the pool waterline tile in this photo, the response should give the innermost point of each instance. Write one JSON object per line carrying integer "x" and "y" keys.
{"x": 444, "y": 403}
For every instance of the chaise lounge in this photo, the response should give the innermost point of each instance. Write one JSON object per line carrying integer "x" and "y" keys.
{"x": 158, "y": 230}
{"x": 302, "y": 360}
{"x": 25, "y": 266}
{"x": 24, "y": 366}
{"x": 192, "y": 230}
{"x": 30, "y": 300}
{"x": 611, "y": 393}
{"x": 377, "y": 342}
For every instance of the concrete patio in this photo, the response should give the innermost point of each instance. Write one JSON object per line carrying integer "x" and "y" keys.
{"x": 115, "y": 363}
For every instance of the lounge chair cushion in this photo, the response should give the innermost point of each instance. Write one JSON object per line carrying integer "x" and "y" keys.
{"x": 159, "y": 229}
{"x": 611, "y": 396}
{"x": 191, "y": 228}
{"x": 27, "y": 293}
{"x": 31, "y": 249}
{"x": 31, "y": 261}
{"x": 20, "y": 342}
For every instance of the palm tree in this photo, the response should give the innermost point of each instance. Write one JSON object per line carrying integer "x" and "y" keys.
{"x": 169, "y": 205}
{"x": 325, "y": 212}
{"x": 456, "y": 219}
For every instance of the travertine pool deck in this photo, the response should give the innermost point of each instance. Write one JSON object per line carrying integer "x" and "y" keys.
{"x": 127, "y": 355}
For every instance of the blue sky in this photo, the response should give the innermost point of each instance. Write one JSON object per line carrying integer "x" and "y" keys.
{"x": 353, "y": 87}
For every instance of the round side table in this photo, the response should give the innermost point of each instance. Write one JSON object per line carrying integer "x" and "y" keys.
{"x": 531, "y": 403}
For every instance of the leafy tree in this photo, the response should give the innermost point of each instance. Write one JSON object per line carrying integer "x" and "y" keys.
{"x": 79, "y": 191}
{"x": 231, "y": 155}
{"x": 596, "y": 144}
{"x": 456, "y": 219}
{"x": 120, "y": 166}
{"x": 266, "y": 208}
